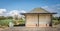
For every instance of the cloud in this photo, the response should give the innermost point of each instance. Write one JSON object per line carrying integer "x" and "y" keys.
{"x": 16, "y": 12}
{"x": 58, "y": 8}
{"x": 48, "y": 9}
{"x": 53, "y": 8}
{"x": 2, "y": 11}
{"x": 13, "y": 12}
{"x": 45, "y": 7}
{"x": 22, "y": 11}
{"x": 57, "y": 5}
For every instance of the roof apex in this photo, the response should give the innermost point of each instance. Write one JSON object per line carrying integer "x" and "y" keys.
{"x": 38, "y": 10}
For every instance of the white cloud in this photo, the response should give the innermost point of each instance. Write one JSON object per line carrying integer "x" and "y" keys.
{"x": 2, "y": 11}
{"x": 44, "y": 7}
{"x": 58, "y": 8}
{"x": 22, "y": 11}
{"x": 16, "y": 12}
{"x": 53, "y": 8}
{"x": 56, "y": 15}
{"x": 57, "y": 4}
{"x": 48, "y": 8}
{"x": 13, "y": 12}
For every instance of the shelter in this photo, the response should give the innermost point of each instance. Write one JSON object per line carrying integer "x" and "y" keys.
{"x": 38, "y": 17}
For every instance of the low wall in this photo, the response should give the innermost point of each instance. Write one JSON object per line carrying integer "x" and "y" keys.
{"x": 36, "y": 25}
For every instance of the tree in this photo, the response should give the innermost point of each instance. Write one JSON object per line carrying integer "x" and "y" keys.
{"x": 56, "y": 20}
{"x": 2, "y": 17}
{"x": 9, "y": 17}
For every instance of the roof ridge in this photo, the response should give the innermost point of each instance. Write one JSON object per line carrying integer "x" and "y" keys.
{"x": 38, "y": 10}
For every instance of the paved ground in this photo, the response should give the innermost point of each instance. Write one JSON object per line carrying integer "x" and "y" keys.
{"x": 31, "y": 29}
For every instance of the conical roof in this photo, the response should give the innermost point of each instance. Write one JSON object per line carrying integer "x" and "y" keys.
{"x": 38, "y": 10}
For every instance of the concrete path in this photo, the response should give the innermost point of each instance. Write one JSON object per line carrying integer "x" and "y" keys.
{"x": 31, "y": 29}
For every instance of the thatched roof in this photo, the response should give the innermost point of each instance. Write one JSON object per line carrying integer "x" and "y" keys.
{"x": 38, "y": 10}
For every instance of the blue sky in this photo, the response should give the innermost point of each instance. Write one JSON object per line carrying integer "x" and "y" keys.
{"x": 26, "y": 5}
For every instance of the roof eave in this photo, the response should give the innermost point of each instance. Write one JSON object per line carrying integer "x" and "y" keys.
{"x": 37, "y": 13}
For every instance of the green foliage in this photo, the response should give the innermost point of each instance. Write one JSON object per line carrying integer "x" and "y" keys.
{"x": 5, "y": 22}
{"x": 56, "y": 20}
{"x": 21, "y": 21}
{"x": 2, "y": 17}
{"x": 9, "y": 17}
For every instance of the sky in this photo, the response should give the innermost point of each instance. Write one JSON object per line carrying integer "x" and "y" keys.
{"x": 10, "y": 7}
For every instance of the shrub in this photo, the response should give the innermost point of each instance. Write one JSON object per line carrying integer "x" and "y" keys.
{"x": 5, "y": 22}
